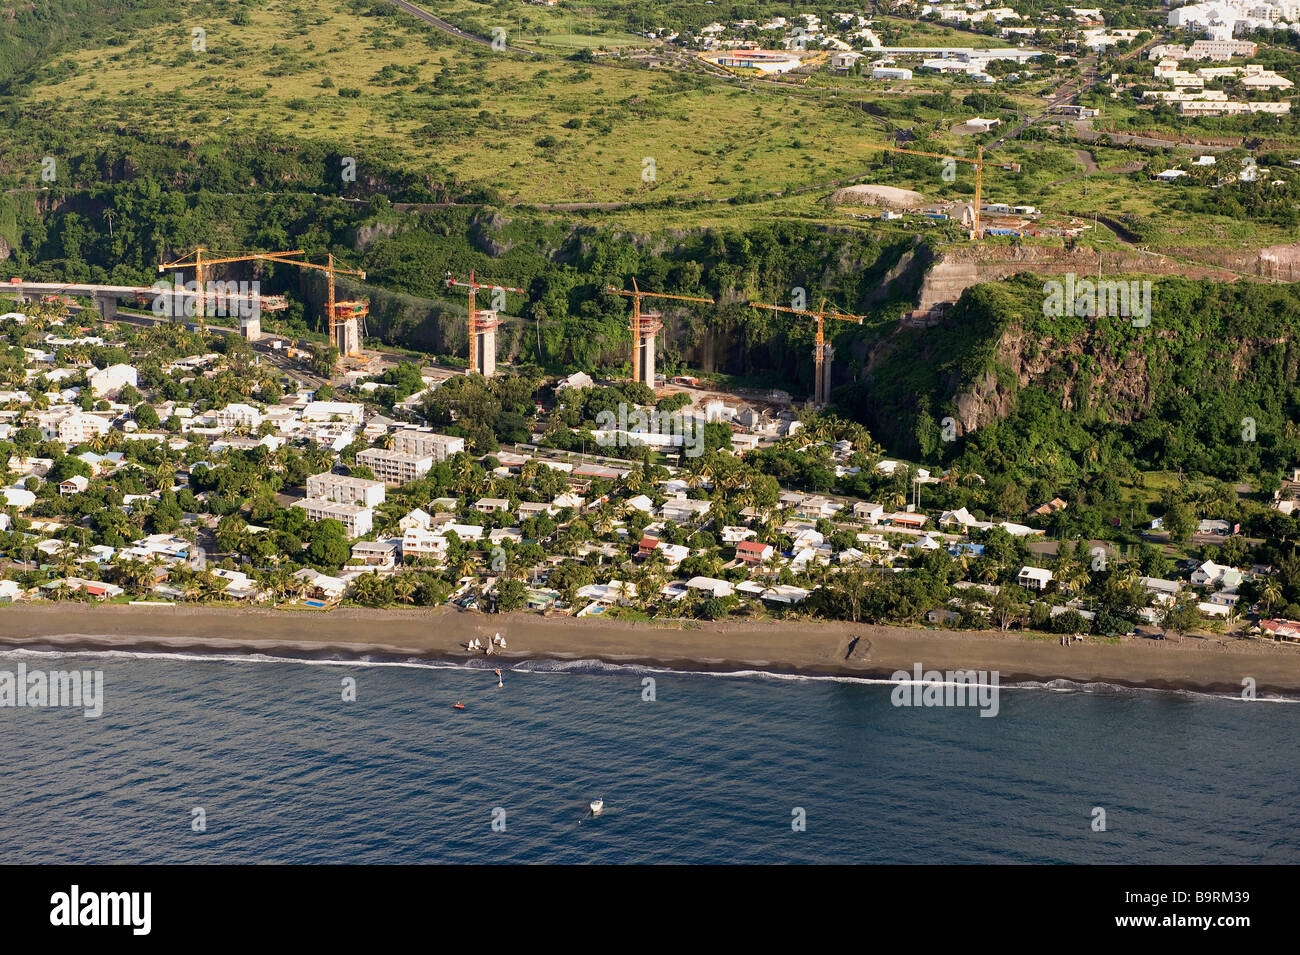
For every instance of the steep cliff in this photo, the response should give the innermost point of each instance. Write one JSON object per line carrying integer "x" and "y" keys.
{"x": 1214, "y": 372}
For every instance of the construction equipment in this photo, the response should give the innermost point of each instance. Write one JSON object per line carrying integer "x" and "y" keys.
{"x": 482, "y": 324}
{"x": 645, "y": 326}
{"x": 976, "y": 232}
{"x": 200, "y": 265}
{"x": 822, "y": 350}
{"x": 346, "y": 319}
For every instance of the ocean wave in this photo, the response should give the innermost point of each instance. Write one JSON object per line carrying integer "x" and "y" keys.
{"x": 1116, "y": 689}
{"x": 594, "y": 667}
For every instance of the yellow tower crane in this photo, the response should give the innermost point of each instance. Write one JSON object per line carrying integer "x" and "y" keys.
{"x": 976, "y": 232}
{"x": 200, "y": 265}
{"x": 482, "y": 324}
{"x": 346, "y": 337}
{"x": 645, "y": 326}
{"x": 822, "y": 351}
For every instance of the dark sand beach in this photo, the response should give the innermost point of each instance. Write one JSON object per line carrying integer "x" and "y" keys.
{"x": 1198, "y": 663}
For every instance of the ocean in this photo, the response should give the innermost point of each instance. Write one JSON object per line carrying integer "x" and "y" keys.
{"x": 741, "y": 768}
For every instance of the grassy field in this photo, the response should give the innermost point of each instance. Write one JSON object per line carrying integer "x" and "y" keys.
{"x": 550, "y": 129}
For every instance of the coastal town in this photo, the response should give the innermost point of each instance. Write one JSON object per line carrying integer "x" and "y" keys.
{"x": 167, "y": 465}
{"x": 579, "y": 432}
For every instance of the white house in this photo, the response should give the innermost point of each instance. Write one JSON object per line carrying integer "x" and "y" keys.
{"x": 1034, "y": 578}
{"x": 345, "y": 411}
{"x": 109, "y": 382}
{"x": 422, "y": 542}
{"x": 712, "y": 586}
{"x": 237, "y": 415}
{"x": 1219, "y": 576}
{"x": 868, "y": 511}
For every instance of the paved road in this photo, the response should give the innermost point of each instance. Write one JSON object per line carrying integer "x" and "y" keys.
{"x": 1085, "y": 133}
{"x": 446, "y": 27}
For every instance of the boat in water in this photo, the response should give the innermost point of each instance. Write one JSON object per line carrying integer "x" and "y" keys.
{"x": 597, "y": 806}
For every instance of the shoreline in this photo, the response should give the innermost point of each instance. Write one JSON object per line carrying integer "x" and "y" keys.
{"x": 799, "y": 648}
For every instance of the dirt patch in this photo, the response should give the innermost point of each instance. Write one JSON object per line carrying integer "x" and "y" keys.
{"x": 888, "y": 197}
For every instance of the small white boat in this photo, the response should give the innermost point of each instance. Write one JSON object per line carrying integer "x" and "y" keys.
{"x": 597, "y": 806}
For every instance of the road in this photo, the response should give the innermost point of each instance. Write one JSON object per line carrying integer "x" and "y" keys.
{"x": 1066, "y": 92}
{"x": 455, "y": 31}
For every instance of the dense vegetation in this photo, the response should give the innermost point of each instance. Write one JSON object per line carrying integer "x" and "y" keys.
{"x": 1211, "y": 386}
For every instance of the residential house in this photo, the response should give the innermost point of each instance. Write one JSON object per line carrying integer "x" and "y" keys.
{"x": 734, "y": 535}
{"x": 817, "y": 507}
{"x": 1050, "y": 507}
{"x": 321, "y": 586}
{"x": 1034, "y": 578}
{"x": 73, "y": 485}
{"x": 531, "y": 509}
{"x": 383, "y": 554}
{"x": 907, "y": 519}
{"x": 109, "y": 382}
{"x": 345, "y": 411}
{"x": 682, "y": 510}
{"x": 711, "y": 586}
{"x": 239, "y": 586}
{"x": 422, "y": 542}
{"x": 1217, "y": 576}
{"x": 753, "y": 552}
{"x": 868, "y": 511}
{"x": 418, "y": 518}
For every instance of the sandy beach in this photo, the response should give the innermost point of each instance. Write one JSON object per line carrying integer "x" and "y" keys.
{"x": 1213, "y": 664}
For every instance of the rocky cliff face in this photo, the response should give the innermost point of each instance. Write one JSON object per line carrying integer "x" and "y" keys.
{"x": 957, "y": 270}
{"x": 1119, "y": 382}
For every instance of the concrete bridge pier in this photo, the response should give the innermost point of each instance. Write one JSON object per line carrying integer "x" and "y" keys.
{"x": 107, "y": 307}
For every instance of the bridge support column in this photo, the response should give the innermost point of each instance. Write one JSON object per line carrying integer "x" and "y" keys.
{"x": 107, "y": 307}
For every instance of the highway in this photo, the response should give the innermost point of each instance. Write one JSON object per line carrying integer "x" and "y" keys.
{"x": 446, "y": 27}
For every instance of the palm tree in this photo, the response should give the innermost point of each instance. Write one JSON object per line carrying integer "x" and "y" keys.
{"x": 1270, "y": 594}
{"x": 25, "y": 551}
{"x": 366, "y": 590}
{"x": 404, "y": 587}
{"x": 1074, "y": 579}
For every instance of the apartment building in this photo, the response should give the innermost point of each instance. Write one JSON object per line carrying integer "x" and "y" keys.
{"x": 357, "y": 520}
{"x": 237, "y": 415}
{"x": 395, "y": 468}
{"x": 426, "y": 444}
{"x": 345, "y": 490}
{"x": 71, "y": 427}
